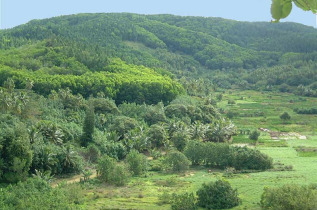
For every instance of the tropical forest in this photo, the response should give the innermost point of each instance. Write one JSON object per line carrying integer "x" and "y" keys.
{"x": 130, "y": 111}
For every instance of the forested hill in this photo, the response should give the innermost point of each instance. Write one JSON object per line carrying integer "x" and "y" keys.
{"x": 182, "y": 45}
{"x": 281, "y": 37}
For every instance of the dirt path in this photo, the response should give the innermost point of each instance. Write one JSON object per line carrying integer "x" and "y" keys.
{"x": 74, "y": 179}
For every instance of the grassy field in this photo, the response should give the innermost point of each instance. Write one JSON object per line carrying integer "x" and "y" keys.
{"x": 151, "y": 192}
{"x": 148, "y": 193}
{"x": 271, "y": 105}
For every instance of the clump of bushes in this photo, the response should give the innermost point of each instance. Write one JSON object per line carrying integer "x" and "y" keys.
{"x": 231, "y": 114}
{"x": 218, "y": 195}
{"x": 137, "y": 163}
{"x": 223, "y": 156}
{"x": 290, "y": 197}
{"x": 306, "y": 111}
{"x": 285, "y": 116}
{"x": 184, "y": 202}
{"x": 176, "y": 161}
{"x": 254, "y": 135}
{"x": 111, "y": 172}
{"x": 231, "y": 102}
{"x": 214, "y": 195}
{"x": 157, "y": 165}
{"x": 120, "y": 175}
{"x": 250, "y": 159}
{"x": 36, "y": 193}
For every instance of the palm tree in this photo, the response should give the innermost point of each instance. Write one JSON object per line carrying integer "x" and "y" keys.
{"x": 29, "y": 84}
{"x": 69, "y": 161}
{"x": 5, "y": 100}
{"x": 9, "y": 85}
{"x": 198, "y": 130}
{"x": 51, "y": 132}
{"x": 137, "y": 139}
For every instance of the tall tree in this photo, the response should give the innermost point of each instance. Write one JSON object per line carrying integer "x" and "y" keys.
{"x": 89, "y": 125}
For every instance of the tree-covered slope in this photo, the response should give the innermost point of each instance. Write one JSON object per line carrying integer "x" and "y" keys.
{"x": 185, "y": 46}
{"x": 280, "y": 37}
{"x": 213, "y": 43}
{"x": 49, "y": 68}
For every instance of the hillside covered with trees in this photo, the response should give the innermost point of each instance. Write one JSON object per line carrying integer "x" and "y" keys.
{"x": 228, "y": 53}
{"x": 124, "y": 95}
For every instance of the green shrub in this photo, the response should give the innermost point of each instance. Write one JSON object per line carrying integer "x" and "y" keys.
{"x": 35, "y": 193}
{"x": 111, "y": 172}
{"x": 137, "y": 139}
{"x": 55, "y": 159}
{"x": 137, "y": 163}
{"x": 231, "y": 102}
{"x": 245, "y": 158}
{"x": 217, "y": 195}
{"x": 176, "y": 161}
{"x": 155, "y": 154}
{"x": 219, "y": 97}
{"x": 105, "y": 168}
{"x": 285, "y": 116}
{"x": 169, "y": 182}
{"x": 289, "y": 197}
{"x": 164, "y": 198}
{"x": 120, "y": 175}
{"x": 157, "y": 165}
{"x": 185, "y": 201}
{"x": 254, "y": 135}
{"x": 231, "y": 114}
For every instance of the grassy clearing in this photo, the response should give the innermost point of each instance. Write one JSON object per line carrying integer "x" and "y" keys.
{"x": 151, "y": 192}
{"x": 148, "y": 192}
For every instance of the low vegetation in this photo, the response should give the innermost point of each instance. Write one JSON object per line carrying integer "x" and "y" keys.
{"x": 294, "y": 197}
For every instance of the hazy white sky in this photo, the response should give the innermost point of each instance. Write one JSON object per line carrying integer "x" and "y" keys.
{"x": 16, "y": 12}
